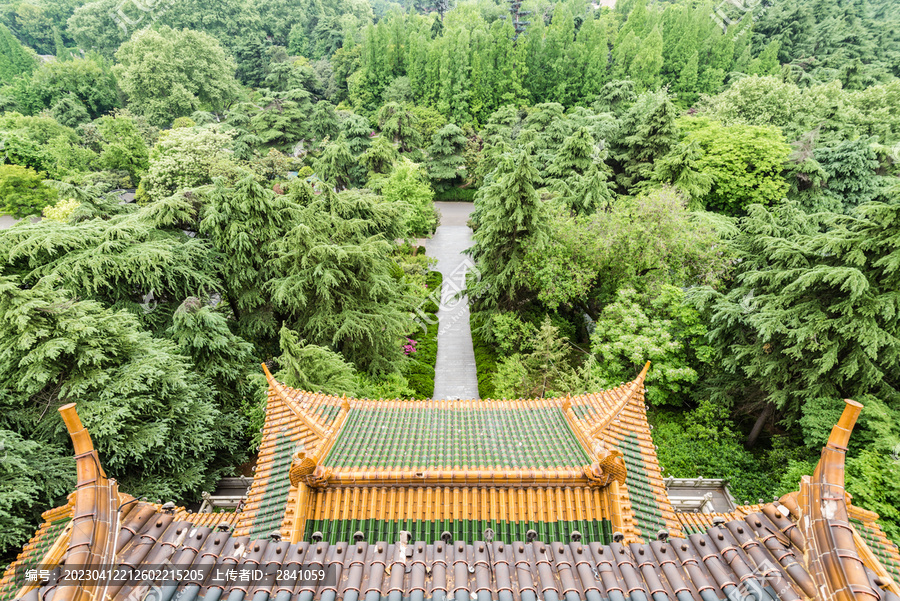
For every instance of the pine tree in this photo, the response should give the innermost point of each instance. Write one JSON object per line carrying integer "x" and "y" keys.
{"x": 337, "y": 285}
{"x": 243, "y": 223}
{"x": 151, "y": 418}
{"x": 323, "y": 122}
{"x": 811, "y": 317}
{"x": 223, "y": 359}
{"x": 445, "y": 157}
{"x": 313, "y": 368}
{"x": 132, "y": 261}
{"x": 380, "y": 157}
{"x": 34, "y": 475}
{"x": 590, "y": 191}
{"x": 282, "y": 122}
{"x": 647, "y": 134}
{"x": 681, "y": 169}
{"x": 337, "y": 165}
{"x": 575, "y": 156}
{"x": 357, "y": 131}
{"x": 399, "y": 125}
{"x": 542, "y": 372}
{"x": 512, "y": 218}
{"x": 850, "y": 172}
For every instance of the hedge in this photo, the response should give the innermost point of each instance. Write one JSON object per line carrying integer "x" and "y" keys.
{"x": 420, "y": 372}
{"x": 485, "y": 364}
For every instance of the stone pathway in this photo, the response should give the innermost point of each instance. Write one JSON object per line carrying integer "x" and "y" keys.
{"x": 455, "y": 374}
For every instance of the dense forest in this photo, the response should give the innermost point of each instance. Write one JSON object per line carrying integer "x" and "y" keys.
{"x": 711, "y": 187}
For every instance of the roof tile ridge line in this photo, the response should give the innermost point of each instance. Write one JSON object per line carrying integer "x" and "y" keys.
{"x": 573, "y": 423}
{"x": 94, "y": 519}
{"x": 307, "y": 419}
{"x": 871, "y": 561}
{"x": 334, "y": 431}
{"x": 52, "y": 556}
{"x": 825, "y": 512}
{"x": 622, "y": 404}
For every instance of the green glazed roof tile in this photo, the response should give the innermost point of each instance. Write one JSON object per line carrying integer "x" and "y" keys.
{"x": 422, "y": 436}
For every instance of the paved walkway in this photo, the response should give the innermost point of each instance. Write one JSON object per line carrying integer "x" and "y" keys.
{"x": 455, "y": 374}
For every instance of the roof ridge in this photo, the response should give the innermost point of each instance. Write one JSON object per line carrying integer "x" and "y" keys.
{"x": 822, "y": 502}
{"x": 320, "y": 429}
{"x": 95, "y": 515}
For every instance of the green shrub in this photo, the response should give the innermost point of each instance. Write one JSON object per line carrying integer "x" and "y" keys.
{"x": 420, "y": 370}
{"x": 485, "y": 363}
{"x": 457, "y": 194}
{"x": 705, "y": 442}
{"x": 22, "y": 191}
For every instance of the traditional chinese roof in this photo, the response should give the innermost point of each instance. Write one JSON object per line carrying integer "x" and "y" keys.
{"x": 556, "y": 466}
{"x": 811, "y": 544}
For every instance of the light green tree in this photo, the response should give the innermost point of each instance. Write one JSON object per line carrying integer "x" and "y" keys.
{"x": 23, "y": 191}
{"x": 185, "y": 158}
{"x": 744, "y": 164}
{"x": 407, "y": 187}
{"x": 168, "y": 73}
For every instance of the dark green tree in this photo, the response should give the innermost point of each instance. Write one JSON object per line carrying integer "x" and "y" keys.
{"x": 445, "y": 157}
{"x": 224, "y": 360}
{"x": 150, "y": 417}
{"x": 512, "y": 220}
{"x": 243, "y": 223}
{"x": 380, "y": 157}
{"x": 575, "y": 156}
{"x": 337, "y": 166}
{"x": 252, "y": 58}
{"x": 281, "y": 119}
{"x": 810, "y": 319}
{"x": 338, "y": 284}
{"x": 647, "y": 134}
{"x": 323, "y": 122}
{"x": 357, "y": 131}
{"x": 399, "y": 125}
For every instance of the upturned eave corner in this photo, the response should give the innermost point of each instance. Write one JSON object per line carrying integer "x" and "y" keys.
{"x": 831, "y": 549}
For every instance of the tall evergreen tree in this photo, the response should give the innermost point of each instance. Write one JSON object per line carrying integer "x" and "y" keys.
{"x": 337, "y": 165}
{"x": 337, "y": 286}
{"x": 512, "y": 219}
{"x": 151, "y": 418}
{"x": 648, "y": 62}
{"x": 399, "y": 124}
{"x": 575, "y": 156}
{"x": 445, "y": 157}
{"x": 647, "y": 134}
{"x": 380, "y": 157}
{"x": 811, "y": 318}
{"x": 357, "y": 131}
{"x": 243, "y": 223}
{"x": 224, "y": 360}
